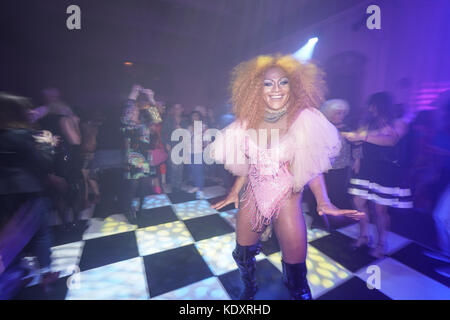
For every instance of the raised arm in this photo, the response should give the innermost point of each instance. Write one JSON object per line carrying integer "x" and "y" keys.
{"x": 70, "y": 130}
{"x": 135, "y": 90}
{"x": 386, "y": 136}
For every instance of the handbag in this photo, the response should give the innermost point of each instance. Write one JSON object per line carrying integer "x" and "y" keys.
{"x": 158, "y": 156}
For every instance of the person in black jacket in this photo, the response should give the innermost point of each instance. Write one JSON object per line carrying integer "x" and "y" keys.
{"x": 66, "y": 178}
{"x": 26, "y": 157}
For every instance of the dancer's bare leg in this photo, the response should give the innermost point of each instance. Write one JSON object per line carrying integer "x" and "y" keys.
{"x": 291, "y": 232}
{"x": 244, "y": 234}
{"x": 290, "y": 229}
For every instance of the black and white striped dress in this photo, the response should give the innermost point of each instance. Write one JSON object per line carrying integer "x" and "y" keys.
{"x": 381, "y": 179}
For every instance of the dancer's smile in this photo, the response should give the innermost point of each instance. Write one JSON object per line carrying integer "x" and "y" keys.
{"x": 276, "y": 88}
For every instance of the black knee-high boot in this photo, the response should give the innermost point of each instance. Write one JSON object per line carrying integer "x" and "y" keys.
{"x": 294, "y": 277}
{"x": 245, "y": 259}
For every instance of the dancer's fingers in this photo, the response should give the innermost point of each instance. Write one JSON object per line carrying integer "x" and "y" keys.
{"x": 360, "y": 214}
{"x": 354, "y": 214}
{"x": 357, "y": 216}
{"x": 337, "y": 212}
{"x": 346, "y": 211}
{"x": 218, "y": 205}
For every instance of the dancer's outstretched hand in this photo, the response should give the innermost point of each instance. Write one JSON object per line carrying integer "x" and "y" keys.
{"x": 232, "y": 197}
{"x": 331, "y": 209}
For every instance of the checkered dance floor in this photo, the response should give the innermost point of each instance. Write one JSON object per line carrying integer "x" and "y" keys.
{"x": 181, "y": 249}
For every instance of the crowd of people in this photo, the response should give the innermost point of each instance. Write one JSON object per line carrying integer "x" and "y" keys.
{"x": 148, "y": 132}
{"x": 396, "y": 157}
{"x": 79, "y": 159}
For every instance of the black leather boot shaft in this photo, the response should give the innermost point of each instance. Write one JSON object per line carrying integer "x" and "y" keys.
{"x": 245, "y": 259}
{"x": 294, "y": 277}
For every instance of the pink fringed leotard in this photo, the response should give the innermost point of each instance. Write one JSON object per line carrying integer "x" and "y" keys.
{"x": 304, "y": 152}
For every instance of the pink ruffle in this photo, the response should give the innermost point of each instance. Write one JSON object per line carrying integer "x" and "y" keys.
{"x": 229, "y": 149}
{"x": 315, "y": 143}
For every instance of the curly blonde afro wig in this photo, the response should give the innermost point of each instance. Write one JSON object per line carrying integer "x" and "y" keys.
{"x": 307, "y": 87}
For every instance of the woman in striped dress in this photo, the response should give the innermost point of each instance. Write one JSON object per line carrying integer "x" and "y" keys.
{"x": 379, "y": 178}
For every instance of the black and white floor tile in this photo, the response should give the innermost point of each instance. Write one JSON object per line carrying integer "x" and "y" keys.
{"x": 181, "y": 249}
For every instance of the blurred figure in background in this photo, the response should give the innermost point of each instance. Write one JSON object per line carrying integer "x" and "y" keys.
{"x": 349, "y": 158}
{"x": 224, "y": 120}
{"x": 158, "y": 154}
{"x": 227, "y": 118}
{"x": 107, "y": 166}
{"x": 440, "y": 150}
{"x": 197, "y": 167}
{"x": 175, "y": 120}
{"x": 136, "y": 133}
{"x": 66, "y": 178}
{"x": 213, "y": 171}
{"x": 161, "y": 147}
{"x": 212, "y": 121}
{"x": 54, "y": 104}
{"x": 203, "y": 113}
{"x": 26, "y": 157}
{"x": 379, "y": 178}
{"x": 90, "y": 122}
{"x": 424, "y": 172}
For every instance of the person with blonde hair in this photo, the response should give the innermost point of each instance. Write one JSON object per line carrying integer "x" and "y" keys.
{"x": 278, "y": 143}
{"x": 349, "y": 158}
{"x": 335, "y": 108}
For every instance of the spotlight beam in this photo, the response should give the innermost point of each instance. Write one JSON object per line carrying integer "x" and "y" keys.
{"x": 305, "y": 53}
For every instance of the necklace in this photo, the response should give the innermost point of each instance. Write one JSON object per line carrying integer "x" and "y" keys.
{"x": 274, "y": 116}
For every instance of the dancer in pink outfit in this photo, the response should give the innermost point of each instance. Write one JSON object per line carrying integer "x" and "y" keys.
{"x": 279, "y": 143}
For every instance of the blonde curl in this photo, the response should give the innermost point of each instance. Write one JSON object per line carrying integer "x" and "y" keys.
{"x": 307, "y": 87}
